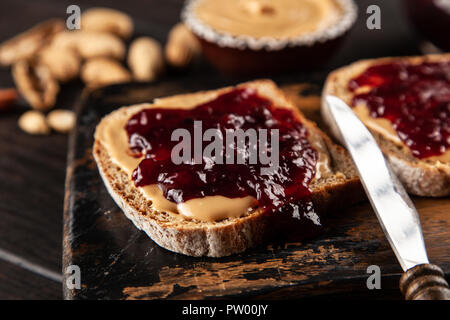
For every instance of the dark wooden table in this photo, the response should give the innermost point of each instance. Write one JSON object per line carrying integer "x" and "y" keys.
{"x": 32, "y": 169}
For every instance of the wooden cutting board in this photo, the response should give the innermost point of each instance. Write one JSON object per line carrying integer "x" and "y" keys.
{"x": 118, "y": 261}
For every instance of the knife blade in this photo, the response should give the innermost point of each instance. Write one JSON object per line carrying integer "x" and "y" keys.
{"x": 394, "y": 209}
{"x": 392, "y": 205}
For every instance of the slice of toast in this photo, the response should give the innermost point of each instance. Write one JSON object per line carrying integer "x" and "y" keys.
{"x": 422, "y": 177}
{"x": 233, "y": 235}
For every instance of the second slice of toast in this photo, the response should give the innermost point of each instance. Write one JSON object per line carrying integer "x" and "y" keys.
{"x": 422, "y": 177}
{"x": 232, "y": 235}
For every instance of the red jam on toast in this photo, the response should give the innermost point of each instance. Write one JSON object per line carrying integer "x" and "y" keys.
{"x": 415, "y": 98}
{"x": 283, "y": 194}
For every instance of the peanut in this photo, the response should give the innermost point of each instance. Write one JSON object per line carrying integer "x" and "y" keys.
{"x": 33, "y": 122}
{"x": 91, "y": 44}
{"x": 61, "y": 120}
{"x": 103, "y": 71}
{"x": 25, "y": 45}
{"x": 64, "y": 64}
{"x": 107, "y": 20}
{"x": 36, "y": 84}
{"x": 182, "y": 46}
{"x": 7, "y": 98}
{"x": 145, "y": 59}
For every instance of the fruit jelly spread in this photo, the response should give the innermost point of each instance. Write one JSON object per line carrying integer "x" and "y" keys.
{"x": 415, "y": 98}
{"x": 283, "y": 194}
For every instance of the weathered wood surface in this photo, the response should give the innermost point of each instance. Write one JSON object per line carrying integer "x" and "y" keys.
{"x": 19, "y": 283}
{"x": 32, "y": 169}
{"x": 120, "y": 262}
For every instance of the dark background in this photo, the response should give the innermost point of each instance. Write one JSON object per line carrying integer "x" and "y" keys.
{"x": 32, "y": 168}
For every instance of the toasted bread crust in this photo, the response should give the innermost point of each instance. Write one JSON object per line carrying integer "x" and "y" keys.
{"x": 217, "y": 239}
{"x": 420, "y": 177}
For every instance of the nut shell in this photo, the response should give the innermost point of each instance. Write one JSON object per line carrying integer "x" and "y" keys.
{"x": 25, "y": 45}
{"x": 36, "y": 84}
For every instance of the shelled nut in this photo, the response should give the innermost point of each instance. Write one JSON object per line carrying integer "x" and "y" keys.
{"x": 61, "y": 120}
{"x": 91, "y": 44}
{"x": 64, "y": 64}
{"x": 182, "y": 47}
{"x": 34, "y": 122}
{"x": 145, "y": 59}
{"x": 107, "y": 20}
{"x": 103, "y": 71}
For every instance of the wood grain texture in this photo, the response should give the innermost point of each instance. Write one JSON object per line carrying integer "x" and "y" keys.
{"x": 120, "y": 262}
{"x": 18, "y": 283}
{"x": 32, "y": 169}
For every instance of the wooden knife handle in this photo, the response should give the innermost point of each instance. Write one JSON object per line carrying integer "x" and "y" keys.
{"x": 424, "y": 282}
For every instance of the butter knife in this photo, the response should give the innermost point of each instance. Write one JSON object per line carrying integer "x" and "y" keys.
{"x": 392, "y": 205}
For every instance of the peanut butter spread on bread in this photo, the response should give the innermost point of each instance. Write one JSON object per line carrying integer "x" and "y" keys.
{"x": 212, "y": 208}
{"x": 424, "y": 85}
{"x": 385, "y": 128}
{"x": 114, "y": 138}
